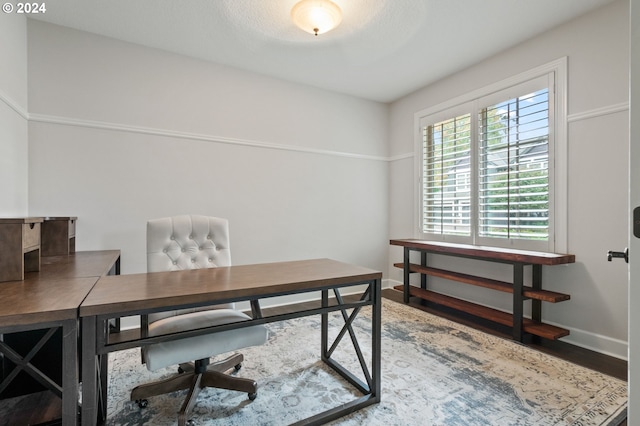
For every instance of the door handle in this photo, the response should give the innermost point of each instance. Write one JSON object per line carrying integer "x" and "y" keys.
{"x": 618, "y": 254}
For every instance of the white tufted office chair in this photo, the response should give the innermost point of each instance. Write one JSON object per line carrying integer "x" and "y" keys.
{"x": 193, "y": 242}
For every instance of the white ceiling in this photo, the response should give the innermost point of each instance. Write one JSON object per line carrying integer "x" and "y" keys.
{"x": 382, "y": 50}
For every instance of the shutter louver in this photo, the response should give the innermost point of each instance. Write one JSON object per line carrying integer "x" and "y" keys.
{"x": 447, "y": 172}
{"x": 513, "y": 199}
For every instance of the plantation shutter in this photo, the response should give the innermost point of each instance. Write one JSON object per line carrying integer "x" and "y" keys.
{"x": 486, "y": 165}
{"x": 447, "y": 176}
{"x": 513, "y": 167}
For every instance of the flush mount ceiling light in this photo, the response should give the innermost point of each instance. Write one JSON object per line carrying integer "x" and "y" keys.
{"x": 316, "y": 16}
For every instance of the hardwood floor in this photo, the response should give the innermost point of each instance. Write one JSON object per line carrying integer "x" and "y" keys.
{"x": 590, "y": 359}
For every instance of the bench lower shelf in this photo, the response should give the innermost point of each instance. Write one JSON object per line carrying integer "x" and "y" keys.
{"x": 536, "y": 328}
{"x": 528, "y": 292}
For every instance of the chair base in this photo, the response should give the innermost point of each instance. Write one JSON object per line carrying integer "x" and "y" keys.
{"x": 194, "y": 379}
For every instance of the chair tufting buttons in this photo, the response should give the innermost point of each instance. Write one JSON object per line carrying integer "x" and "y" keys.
{"x": 175, "y": 263}
{"x": 193, "y": 261}
{"x": 183, "y": 250}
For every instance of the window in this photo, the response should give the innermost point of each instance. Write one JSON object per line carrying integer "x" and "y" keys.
{"x": 446, "y": 170}
{"x": 513, "y": 159}
{"x": 486, "y": 166}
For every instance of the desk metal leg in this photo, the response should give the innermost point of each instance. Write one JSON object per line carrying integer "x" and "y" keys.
{"x": 70, "y": 372}
{"x": 89, "y": 375}
{"x": 103, "y": 383}
{"x": 372, "y": 388}
{"x": 376, "y": 341}
{"x": 324, "y": 326}
{"x": 348, "y": 328}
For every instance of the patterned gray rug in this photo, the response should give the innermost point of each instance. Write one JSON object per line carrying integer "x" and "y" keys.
{"x": 434, "y": 372}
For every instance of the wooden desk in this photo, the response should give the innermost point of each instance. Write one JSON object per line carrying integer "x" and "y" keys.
{"x": 517, "y": 258}
{"x": 135, "y": 294}
{"x": 49, "y": 300}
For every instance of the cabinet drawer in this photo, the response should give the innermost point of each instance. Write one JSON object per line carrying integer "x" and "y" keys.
{"x": 30, "y": 236}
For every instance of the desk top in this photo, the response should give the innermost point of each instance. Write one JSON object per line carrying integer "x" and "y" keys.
{"x": 488, "y": 253}
{"x": 125, "y": 294}
{"x": 55, "y": 292}
{"x": 77, "y": 265}
{"x": 35, "y": 301}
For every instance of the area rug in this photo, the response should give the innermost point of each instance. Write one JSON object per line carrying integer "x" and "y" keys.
{"x": 434, "y": 372}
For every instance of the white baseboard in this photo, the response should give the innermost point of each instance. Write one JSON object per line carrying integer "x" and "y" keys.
{"x": 598, "y": 343}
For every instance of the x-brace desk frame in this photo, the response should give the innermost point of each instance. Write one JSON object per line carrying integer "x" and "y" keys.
{"x": 181, "y": 289}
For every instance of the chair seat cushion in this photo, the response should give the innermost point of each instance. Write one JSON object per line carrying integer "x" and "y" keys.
{"x": 174, "y": 352}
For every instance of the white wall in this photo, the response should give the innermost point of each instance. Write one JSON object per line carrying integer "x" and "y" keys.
{"x": 597, "y": 47}
{"x": 120, "y": 134}
{"x": 13, "y": 116}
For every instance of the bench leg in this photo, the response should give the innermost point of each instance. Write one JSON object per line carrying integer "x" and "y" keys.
{"x": 518, "y": 308}
{"x": 406, "y": 271}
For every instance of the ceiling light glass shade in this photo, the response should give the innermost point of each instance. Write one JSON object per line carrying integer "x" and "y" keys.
{"x": 316, "y": 16}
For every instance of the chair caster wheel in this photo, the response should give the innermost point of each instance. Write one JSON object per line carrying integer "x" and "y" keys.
{"x": 253, "y": 396}
{"x": 237, "y": 367}
{"x": 142, "y": 403}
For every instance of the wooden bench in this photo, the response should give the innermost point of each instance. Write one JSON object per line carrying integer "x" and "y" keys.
{"x": 518, "y": 258}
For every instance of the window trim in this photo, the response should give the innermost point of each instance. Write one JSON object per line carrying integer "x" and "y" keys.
{"x": 558, "y": 240}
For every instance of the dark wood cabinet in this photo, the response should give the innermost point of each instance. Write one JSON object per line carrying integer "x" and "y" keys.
{"x": 37, "y": 308}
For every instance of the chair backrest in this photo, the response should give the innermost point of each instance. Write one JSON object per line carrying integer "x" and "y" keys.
{"x": 187, "y": 242}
